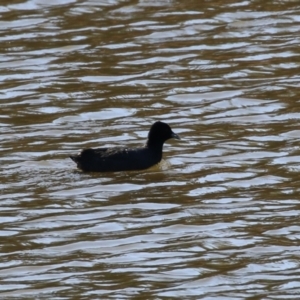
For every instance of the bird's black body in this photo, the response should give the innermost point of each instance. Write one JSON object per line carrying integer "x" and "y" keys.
{"x": 126, "y": 159}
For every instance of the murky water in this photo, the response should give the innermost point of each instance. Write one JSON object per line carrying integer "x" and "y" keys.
{"x": 218, "y": 218}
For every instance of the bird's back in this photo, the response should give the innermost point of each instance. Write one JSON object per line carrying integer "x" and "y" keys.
{"x": 117, "y": 159}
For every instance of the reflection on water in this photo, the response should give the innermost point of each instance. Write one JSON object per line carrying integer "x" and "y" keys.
{"x": 218, "y": 218}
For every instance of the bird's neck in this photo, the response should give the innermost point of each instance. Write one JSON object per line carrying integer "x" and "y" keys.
{"x": 157, "y": 145}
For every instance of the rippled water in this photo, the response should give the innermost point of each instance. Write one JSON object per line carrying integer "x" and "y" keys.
{"x": 218, "y": 218}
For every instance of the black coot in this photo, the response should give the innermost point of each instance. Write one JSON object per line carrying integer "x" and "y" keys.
{"x": 126, "y": 159}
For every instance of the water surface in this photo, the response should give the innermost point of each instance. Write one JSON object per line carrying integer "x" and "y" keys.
{"x": 218, "y": 217}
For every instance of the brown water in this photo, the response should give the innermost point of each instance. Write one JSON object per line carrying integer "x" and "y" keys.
{"x": 219, "y": 217}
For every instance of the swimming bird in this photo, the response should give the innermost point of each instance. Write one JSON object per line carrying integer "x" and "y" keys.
{"x": 127, "y": 159}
